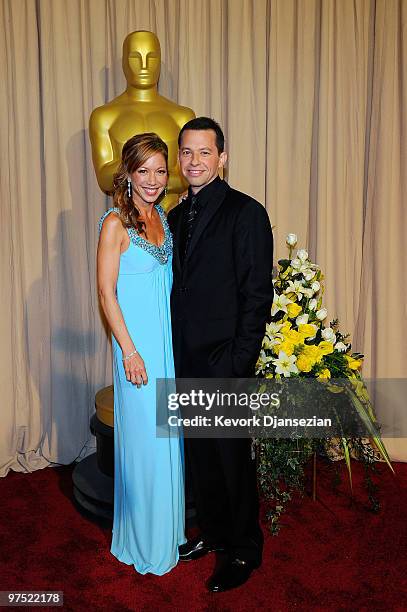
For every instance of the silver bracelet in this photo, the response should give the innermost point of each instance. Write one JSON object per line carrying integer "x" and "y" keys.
{"x": 126, "y": 357}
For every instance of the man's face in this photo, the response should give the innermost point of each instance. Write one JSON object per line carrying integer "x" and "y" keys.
{"x": 141, "y": 59}
{"x": 199, "y": 158}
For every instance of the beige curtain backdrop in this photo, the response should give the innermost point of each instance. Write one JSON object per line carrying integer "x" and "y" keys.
{"x": 312, "y": 96}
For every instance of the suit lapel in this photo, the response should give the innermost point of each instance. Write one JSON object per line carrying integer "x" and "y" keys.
{"x": 208, "y": 211}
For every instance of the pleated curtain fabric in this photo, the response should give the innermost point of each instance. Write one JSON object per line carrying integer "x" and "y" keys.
{"x": 312, "y": 97}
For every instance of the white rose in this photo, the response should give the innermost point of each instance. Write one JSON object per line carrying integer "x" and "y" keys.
{"x": 309, "y": 274}
{"x": 321, "y": 314}
{"x": 302, "y": 255}
{"x": 341, "y": 347}
{"x": 329, "y": 335}
{"x": 302, "y": 319}
{"x": 315, "y": 286}
{"x": 312, "y": 304}
{"x": 291, "y": 240}
{"x": 296, "y": 263}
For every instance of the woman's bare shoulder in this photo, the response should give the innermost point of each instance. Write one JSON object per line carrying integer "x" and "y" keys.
{"x": 111, "y": 225}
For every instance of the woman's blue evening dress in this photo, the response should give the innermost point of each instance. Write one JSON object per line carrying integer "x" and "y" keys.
{"x": 148, "y": 524}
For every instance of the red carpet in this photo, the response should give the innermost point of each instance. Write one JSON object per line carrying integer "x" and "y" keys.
{"x": 331, "y": 555}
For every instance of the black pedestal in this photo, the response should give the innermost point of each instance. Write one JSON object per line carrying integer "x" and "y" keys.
{"x": 104, "y": 445}
{"x": 93, "y": 478}
{"x": 92, "y": 489}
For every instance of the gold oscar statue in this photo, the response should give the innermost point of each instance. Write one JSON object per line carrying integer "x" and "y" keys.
{"x": 138, "y": 109}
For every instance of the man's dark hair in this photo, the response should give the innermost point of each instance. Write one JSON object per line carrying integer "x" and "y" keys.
{"x": 205, "y": 123}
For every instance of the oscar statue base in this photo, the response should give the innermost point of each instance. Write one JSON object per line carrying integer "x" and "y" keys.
{"x": 93, "y": 476}
{"x": 93, "y": 490}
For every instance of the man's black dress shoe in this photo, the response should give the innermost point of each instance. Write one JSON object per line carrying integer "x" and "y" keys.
{"x": 196, "y": 548}
{"x": 231, "y": 575}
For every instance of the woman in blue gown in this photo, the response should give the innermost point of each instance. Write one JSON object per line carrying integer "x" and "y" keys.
{"x": 134, "y": 284}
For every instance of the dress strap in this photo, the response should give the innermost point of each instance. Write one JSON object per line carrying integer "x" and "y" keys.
{"x": 163, "y": 218}
{"x": 103, "y": 217}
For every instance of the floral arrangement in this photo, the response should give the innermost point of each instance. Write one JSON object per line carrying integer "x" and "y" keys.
{"x": 299, "y": 343}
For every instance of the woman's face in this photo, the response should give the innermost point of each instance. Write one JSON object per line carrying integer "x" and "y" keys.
{"x": 149, "y": 180}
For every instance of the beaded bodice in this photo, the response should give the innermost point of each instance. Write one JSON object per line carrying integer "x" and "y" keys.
{"x": 162, "y": 252}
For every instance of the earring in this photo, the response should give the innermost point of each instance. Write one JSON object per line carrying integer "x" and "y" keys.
{"x": 129, "y": 187}
{"x": 165, "y": 191}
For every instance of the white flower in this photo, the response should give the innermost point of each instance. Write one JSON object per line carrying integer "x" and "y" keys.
{"x": 302, "y": 319}
{"x": 295, "y": 287}
{"x": 291, "y": 240}
{"x": 329, "y": 335}
{"x": 321, "y": 314}
{"x": 268, "y": 343}
{"x": 341, "y": 347}
{"x": 302, "y": 255}
{"x": 312, "y": 304}
{"x": 262, "y": 361}
{"x": 308, "y": 292}
{"x": 300, "y": 266}
{"x": 280, "y": 302}
{"x": 273, "y": 328}
{"x": 285, "y": 365}
{"x": 309, "y": 274}
{"x": 315, "y": 286}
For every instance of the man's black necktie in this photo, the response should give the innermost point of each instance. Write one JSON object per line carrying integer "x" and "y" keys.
{"x": 190, "y": 220}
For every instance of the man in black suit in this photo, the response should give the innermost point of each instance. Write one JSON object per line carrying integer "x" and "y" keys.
{"x": 220, "y": 302}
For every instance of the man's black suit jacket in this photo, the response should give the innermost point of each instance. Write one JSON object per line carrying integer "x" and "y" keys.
{"x": 222, "y": 292}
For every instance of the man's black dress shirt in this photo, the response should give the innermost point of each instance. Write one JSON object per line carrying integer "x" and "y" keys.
{"x": 193, "y": 206}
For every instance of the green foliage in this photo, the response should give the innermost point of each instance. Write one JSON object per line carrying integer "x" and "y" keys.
{"x": 281, "y": 472}
{"x": 282, "y": 463}
{"x": 298, "y": 343}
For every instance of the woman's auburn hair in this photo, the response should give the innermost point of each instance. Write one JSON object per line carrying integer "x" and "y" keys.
{"x": 136, "y": 151}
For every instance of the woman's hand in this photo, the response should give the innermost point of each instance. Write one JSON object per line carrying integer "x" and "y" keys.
{"x": 135, "y": 369}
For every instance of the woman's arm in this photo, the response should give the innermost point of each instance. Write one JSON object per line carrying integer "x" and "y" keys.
{"x": 111, "y": 240}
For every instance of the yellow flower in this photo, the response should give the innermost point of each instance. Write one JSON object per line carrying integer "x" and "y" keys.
{"x": 312, "y": 352}
{"x": 307, "y": 330}
{"x": 304, "y": 363}
{"x": 353, "y": 364}
{"x": 285, "y": 327}
{"x": 324, "y": 374}
{"x": 286, "y": 346}
{"x": 326, "y": 347}
{"x": 293, "y": 310}
{"x": 293, "y": 336}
